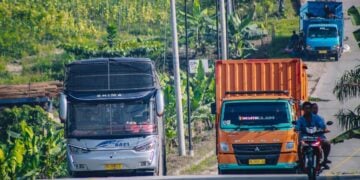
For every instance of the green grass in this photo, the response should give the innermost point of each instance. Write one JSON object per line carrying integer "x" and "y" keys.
{"x": 289, "y": 9}
{"x": 202, "y": 166}
{"x": 283, "y": 31}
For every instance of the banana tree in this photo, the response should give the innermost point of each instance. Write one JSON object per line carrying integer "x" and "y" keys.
{"x": 203, "y": 94}
{"x": 201, "y": 28}
{"x": 238, "y": 43}
{"x": 348, "y": 87}
{"x": 32, "y": 145}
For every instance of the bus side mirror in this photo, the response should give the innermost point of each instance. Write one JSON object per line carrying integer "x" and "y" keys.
{"x": 213, "y": 108}
{"x": 63, "y": 108}
{"x": 160, "y": 105}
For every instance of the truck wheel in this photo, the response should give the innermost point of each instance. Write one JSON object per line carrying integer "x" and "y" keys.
{"x": 337, "y": 56}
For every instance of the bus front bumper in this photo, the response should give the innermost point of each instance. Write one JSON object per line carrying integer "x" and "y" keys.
{"x": 112, "y": 161}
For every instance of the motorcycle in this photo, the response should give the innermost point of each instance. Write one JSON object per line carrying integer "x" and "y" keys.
{"x": 312, "y": 153}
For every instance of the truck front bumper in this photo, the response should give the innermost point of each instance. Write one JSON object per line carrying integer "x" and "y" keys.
{"x": 278, "y": 166}
{"x": 285, "y": 162}
{"x": 322, "y": 53}
{"x": 112, "y": 161}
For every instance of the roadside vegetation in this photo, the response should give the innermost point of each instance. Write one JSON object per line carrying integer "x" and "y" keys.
{"x": 346, "y": 88}
{"x": 31, "y": 145}
{"x": 40, "y": 38}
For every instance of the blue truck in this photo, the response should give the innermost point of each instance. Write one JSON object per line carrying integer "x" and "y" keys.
{"x": 322, "y": 28}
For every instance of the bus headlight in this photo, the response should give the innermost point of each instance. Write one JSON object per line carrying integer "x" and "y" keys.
{"x": 77, "y": 150}
{"x": 145, "y": 147}
{"x": 224, "y": 147}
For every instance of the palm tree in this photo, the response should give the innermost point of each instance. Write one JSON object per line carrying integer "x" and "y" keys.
{"x": 348, "y": 87}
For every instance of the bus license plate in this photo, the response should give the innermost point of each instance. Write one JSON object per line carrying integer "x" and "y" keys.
{"x": 256, "y": 161}
{"x": 322, "y": 52}
{"x": 113, "y": 166}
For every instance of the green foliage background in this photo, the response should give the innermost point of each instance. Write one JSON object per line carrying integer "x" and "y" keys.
{"x": 31, "y": 144}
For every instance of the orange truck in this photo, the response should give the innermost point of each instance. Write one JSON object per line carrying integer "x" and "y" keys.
{"x": 256, "y": 102}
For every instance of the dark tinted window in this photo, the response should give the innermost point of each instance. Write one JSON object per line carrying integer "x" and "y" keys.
{"x": 255, "y": 113}
{"x": 114, "y": 75}
{"x": 110, "y": 119}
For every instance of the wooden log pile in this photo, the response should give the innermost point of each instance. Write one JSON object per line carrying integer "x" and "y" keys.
{"x": 31, "y": 90}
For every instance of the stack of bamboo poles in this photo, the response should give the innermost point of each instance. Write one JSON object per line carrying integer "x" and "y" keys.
{"x": 31, "y": 90}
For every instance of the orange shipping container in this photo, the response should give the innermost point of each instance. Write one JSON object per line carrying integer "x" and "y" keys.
{"x": 261, "y": 75}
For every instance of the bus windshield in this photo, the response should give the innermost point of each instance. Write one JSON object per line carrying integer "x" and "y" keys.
{"x": 110, "y": 119}
{"x": 254, "y": 113}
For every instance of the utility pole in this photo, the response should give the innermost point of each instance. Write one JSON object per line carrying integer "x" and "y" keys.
{"x": 223, "y": 30}
{"x": 217, "y": 31}
{"x": 179, "y": 111}
{"x": 191, "y": 150}
{"x": 229, "y": 7}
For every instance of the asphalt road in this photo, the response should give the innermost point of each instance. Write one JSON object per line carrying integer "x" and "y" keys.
{"x": 345, "y": 156}
{"x": 236, "y": 177}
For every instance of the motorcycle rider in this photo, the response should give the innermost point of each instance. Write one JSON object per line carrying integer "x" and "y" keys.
{"x": 308, "y": 119}
{"x": 325, "y": 144}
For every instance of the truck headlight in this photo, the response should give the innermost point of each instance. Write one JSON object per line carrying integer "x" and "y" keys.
{"x": 77, "y": 150}
{"x": 290, "y": 145}
{"x": 145, "y": 147}
{"x": 224, "y": 147}
{"x": 309, "y": 48}
{"x": 335, "y": 47}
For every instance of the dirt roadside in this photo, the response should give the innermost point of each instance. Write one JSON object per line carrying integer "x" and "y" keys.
{"x": 204, "y": 148}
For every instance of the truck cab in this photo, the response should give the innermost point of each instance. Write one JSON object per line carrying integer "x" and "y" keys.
{"x": 323, "y": 39}
{"x": 112, "y": 109}
{"x": 257, "y": 134}
{"x": 257, "y": 101}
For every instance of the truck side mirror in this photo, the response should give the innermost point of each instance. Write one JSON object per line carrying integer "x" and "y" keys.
{"x": 213, "y": 108}
{"x": 160, "y": 105}
{"x": 63, "y": 107}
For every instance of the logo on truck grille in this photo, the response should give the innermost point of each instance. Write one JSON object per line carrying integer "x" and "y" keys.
{"x": 257, "y": 149}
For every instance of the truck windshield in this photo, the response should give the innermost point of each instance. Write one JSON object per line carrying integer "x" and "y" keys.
{"x": 254, "y": 113}
{"x": 110, "y": 119}
{"x": 322, "y": 32}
